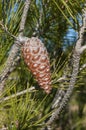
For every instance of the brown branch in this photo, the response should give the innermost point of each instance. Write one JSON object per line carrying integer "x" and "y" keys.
{"x": 15, "y": 49}
{"x": 61, "y": 92}
{"x": 65, "y": 96}
{"x": 17, "y": 94}
{"x": 76, "y": 60}
{"x": 55, "y": 115}
{"x": 24, "y": 16}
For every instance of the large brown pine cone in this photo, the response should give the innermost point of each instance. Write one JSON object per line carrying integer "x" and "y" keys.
{"x": 36, "y": 57}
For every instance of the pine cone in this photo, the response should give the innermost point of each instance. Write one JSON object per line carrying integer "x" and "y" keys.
{"x": 36, "y": 57}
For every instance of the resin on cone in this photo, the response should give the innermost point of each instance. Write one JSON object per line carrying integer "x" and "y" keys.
{"x": 36, "y": 57}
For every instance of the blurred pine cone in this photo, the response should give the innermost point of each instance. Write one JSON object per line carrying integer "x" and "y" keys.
{"x": 36, "y": 57}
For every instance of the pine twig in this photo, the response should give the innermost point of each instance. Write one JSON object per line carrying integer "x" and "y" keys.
{"x": 14, "y": 50}
{"x": 66, "y": 97}
{"x": 61, "y": 92}
{"x": 76, "y": 60}
{"x": 24, "y": 16}
{"x": 17, "y": 94}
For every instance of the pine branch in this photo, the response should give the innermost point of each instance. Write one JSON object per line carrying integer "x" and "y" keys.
{"x": 17, "y": 94}
{"x": 66, "y": 97}
{"x": 76, "y": 60}
{"x": 10, "y": 63}
{"x": 61, "y": 92}
{"x": 24, "y": 16}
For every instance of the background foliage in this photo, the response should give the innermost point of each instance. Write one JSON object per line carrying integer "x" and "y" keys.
{"x": 51, "y": 21}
